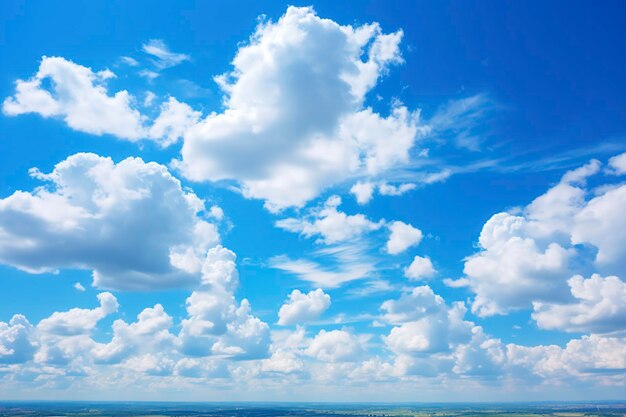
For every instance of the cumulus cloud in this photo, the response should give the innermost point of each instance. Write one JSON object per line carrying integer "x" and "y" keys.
{"x": 79, "y": 96}
{"x": 363, "y": 191}
{"x": 421, "y": 267}
{"x": 301, "y": 308}
{"x": 172, "y": 122}
{"x": 528, "y": 257}
{"x": 149, "y": 332}
{"x": 425, "y": 324}
{"x": 592, "y": 357}
{"x": 131, "y": 223}
{"x": 216, "y": 323}
{"x": 16, "y": 343}
{"x": 336, "y": 346}
{"x": 599, "y": 307}
{"x": 79, "y": 320}
{"x": 330, "y": 224}
{"x": 618, "y": 164}
{"x": 295, "y": 122}
{"x": 402, "y": 237}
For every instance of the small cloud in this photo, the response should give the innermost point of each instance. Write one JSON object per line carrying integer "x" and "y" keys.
{"x": 129, "y": 61}
{"x": 164, "y": 58}
{"x": 149, "y": 99}
{"x": 79, "y": 286}
{"x": 149, "y": 75}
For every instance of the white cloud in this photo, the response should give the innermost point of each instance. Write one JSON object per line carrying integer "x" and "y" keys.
{"x": 294, "y": 122}
{"x": 78, "y": 286}
{"x": 16, "y": 344}
{"x": 336, "y": 346}
{"x": 421, "y": 267}
{"x": 301, "y": 308}
{"x": 216, "y": 324}
{"x": 426, "y": 327}
{"x": 172, "y": 123}
{"x": 78, "y": 96}
{"x": 338, "y": 264}
{"x": 459, "y": 119}
{"x": 363, "y": 191}
{"x": 618, "y": 164}
{"x": 602, "y": 223}
{"x": 148, "y": 334}
{"x": 332, "y": 225}
{"x": 216, "y": 212}
{"x": 402, "y": 237}
{"x": 590, "y": 357}
{"x": 163, "y": 57}
{"x": 149, "y": 98}
{"x": 131, "y": 223}
{"x": 395, "y": 190}
{"x": 130, "y": 61}
{"x": 528, "y": 257}
{"x": 79, "y": 320}
{"x": 599, "y": 307}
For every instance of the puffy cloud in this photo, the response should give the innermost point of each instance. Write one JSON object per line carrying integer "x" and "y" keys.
{"x": 363, "y": 191}
{"x": 303, "y": 307}
{"x": 78, "y": 96}
{"x": 421, "y": 267}
{"x": 336, "y": 346}
{"x": 295, "y": 122}
{"x": 426, "y": 324}
{"x": 402, "y": 237}
{"x": 590, "y": 357}
{"x": 527, "y": 257}
{"x": 172, "y": 122}
{"x": 216, "y": 324}
{"x": 78, "y": 320}
{"x": 395, "y": 190}
{"x": 131, "y": 223}
{"x": 509, "y": 274}
{"x": 148, "y": 334}
{"x": 201, "y": 368}
{"x": 599, "y": 307}
{"x": 16, "y": 342}
{"x": 618, "y": 164}
{"x": 331, "y": 224}
{"x": 602, "y": 223}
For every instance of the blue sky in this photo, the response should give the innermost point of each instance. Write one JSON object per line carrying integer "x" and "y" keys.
{"x": 402, "y": 201}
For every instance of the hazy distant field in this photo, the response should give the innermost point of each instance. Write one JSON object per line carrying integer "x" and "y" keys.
{"x": 319, "y": 410}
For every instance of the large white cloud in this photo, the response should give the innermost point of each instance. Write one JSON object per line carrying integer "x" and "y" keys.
{"x": 79, "y": 96}
{"x": 295, "y": 122}
{"x": 528, "y": 256}
{"x": 301, "y": 308}
{"x": 599, "y": 307}
{"x": 131, "y": 223}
